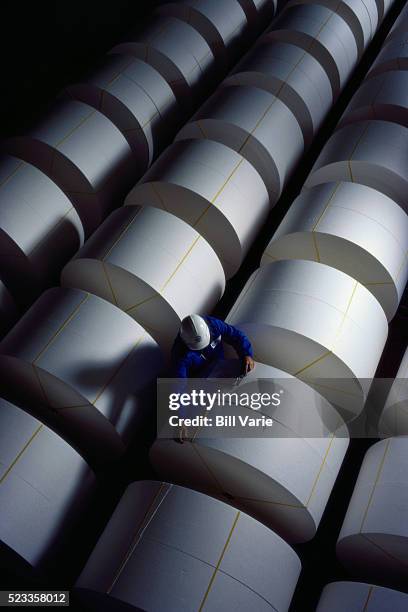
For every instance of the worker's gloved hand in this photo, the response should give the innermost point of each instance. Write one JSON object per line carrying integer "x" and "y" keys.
{"x": 248, "y": 364}
{"x": 183, "y": 435}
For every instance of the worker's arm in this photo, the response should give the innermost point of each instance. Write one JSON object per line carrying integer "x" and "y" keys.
{"x": 237, "y": 339}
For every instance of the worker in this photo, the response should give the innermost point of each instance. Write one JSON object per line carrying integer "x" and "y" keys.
{"x": 198, "y": 346}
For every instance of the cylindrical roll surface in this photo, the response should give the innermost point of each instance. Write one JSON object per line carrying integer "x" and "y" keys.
{"x": 352, "y": 228}
{"x": 45, "y": 486}
{"x": 84, "y": 367}
{"x": 324, "y": 34}
{"x": 361, "y": 17}
{"x": 394, "y": 417}
{"x": 373, "y": 153}
{"x": 283, "y": 479}
{"x": 39, "y": 229}
{"x": 316, "y": 323}
{"x": 392, "y": 57}
{"x": 291, "y": 74}
{"x": 213, "y": 189}
{"x": 8, "y": 310}
{"x": 222, "y": 23}
{"x": 232, "y": 561}
{"x": 373, "y": 542}
{"x": 400, "y": 27}
{"x": 84, "y": 153}
{"x": 341, "y": 596}
{"x": 137, "y": 99}
{"x": 258, "y": 12}
{"x": 179, "y": 53}
{"x": 152, "y": 265}
{"x": 383, "y": 97}
{"x": 256, "y": 124}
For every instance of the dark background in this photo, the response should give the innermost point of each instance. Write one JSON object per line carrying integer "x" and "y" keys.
{"x": 45, "y": 46}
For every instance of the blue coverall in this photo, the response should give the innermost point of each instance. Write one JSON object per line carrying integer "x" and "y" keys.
{"x": 186, "y": 363}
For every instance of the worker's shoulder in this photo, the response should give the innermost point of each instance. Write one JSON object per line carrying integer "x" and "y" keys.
{"x": 213, "y": 321}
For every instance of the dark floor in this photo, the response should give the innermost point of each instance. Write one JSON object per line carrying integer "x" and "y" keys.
{"x": 43, "y": 50}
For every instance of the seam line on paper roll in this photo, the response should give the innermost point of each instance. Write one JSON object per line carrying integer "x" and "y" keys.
{"x": 198, "y": 65}
{"x": 180, "y": 263}
{"x": 117, "y": 370}
{"x": 309, "y": 365}
{"x": 200, "y": 127}
{"x": 326, "y": 206}
{"x": 122, "y": 233}
{"x": 50, "y": 231}
{"x": 42, "y": 390}
{"x": 220, "y": 190}
{"x": 271, "y": 502}
{"x": 138, "y": 304}
{"x": 359, "y": 140}
{"x": 385, "y": 552}
{"x": 320, "y": 471}
{"x": 370, "y": 592}
{"x": 142, "y": 525}
{"x": 338, "y": 332}
{"x": 369, "y": 19}
{"x": 221, "y": 490}
{"x": 21, "y": 453}
{"x": 169, "y": 279}
{"x": 109, "y": 283}
{"x": 126, "y": 76}
{"x": 217, "y": 567}
{"x": 377, "y": 477}
{"x": 61, "y": 328}
{"x": 73, "y": 130}
{"x": 158, "y": 196}
{"x": 203, "y": 58}
{"x": 120, "y": 73}
{"x": 316, "y": 248}
{"x": 10, "y": 176}
{"x": 266, "y": 254}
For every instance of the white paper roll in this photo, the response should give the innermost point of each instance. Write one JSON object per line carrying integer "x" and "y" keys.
{"x": 84, "y": 367}
{"x": 179, "y": 53}
{"x": 372, "y": 153}
{"x": 256, "y": 124}
{"x": 383, "y": 97}
{"x": 393, "y": 56}
{"x": 45, "y": 487}
{"x": 39, "y": 229}
{"x": 8, "y": 310}
{"x": 373, "y": 540}
{"x": 283, "y": 479}
{"x": 352, "y": 228}
{"x": 361, "y": 16}
{"x": 222, "y": 23}
{"x": 400, "y": 27}
{"x": 316, "y": 323}
{"x": 258, "y": 12}
{"x": 137, "y": 99}
{"x": 169, "y": 548}
{"x": 153, "y": 266}
{"x": 394, "y": 418}
{"x": 291, "y": 74}
{"x": 213, "y": 189}
{"x": 357, "y": 596}
{"x": 84, "y": 153}
{"x": 323, "y": 34}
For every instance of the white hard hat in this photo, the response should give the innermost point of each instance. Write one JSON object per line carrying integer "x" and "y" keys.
{"x": 195, "y": 332}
